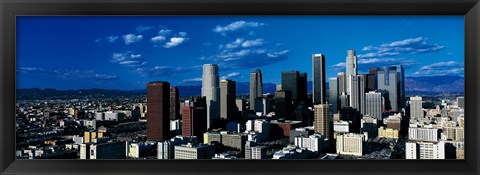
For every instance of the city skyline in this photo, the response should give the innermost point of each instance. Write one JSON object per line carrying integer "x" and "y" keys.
{"x": 147, "y": 49}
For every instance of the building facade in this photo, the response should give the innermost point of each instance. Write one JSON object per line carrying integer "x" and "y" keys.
{"x": 211, "y": 91}
{"x": 318, "y": 78}
{"x": 158, "y": 117}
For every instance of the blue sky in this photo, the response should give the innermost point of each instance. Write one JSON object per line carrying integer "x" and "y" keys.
{"x": 115, "y": 52}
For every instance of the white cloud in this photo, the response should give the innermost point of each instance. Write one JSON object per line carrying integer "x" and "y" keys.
{"x": 158, "y": 39}
{"x": 441, "y": 68}
{"x": 141, "y": 28}
{"x": 112, "y": 38}
{"x": 182, "y": 34}
{"x": 132, "y": 38}
{"x": 237, "y": 26}
{"x": 253, "y": 43}
{"x": 230, "y": 75}
{"x": 164, "y": 32}
{"x": 406, "y": 46}
{"x": 277, "y": 54}
{"x": 128, "y": 59}
{"x": 175, "y": 41}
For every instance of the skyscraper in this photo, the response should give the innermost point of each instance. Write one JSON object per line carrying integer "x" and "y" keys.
{"x": 158, "y": 116}
{"x": 373, "y": 103}
{"x": 323, "y": 122}
{"x": 391, "y": 79}
{"x": 194, "y": 117}
{"x": 362, "y": 84}
{"x": 290, "y": 82}
{"x": 416, "y": 107}
{"x": 354, "y": 82}
{"x": 342, "y": 80}
{"x": 333, "y": 94}
{"x": 351, "y": 63}
{"x": 318, "y": 78}
{"x": 256, "y": 88}
{"x": 351, "y": 70}
{"x": 283, "y": 104}
{"x": 302, "y": 87}
{"x": 227, "y": 99}
{"x": 174, "y": 104}
{"x": 211, "y": 91}
{"x": 344, "y": 100}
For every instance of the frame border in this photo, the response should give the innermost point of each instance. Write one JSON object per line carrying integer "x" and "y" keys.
{"x": 12, "y": 8}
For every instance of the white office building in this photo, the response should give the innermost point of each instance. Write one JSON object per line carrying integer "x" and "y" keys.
{"x": 350, "y": 144}
{"x": 423, "y": 134}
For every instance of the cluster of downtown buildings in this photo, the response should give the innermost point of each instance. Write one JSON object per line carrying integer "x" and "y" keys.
{"x": 360, "y": 116}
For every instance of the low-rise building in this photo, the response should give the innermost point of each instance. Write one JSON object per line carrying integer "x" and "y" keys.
{"x": 189, "y": 151}
{"x": 350, "y": 144}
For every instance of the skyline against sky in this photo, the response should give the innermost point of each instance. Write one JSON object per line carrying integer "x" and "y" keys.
{"x": 127, "y": 52}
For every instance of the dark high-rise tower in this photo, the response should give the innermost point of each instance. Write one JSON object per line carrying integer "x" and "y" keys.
{"x": 256, "y": 89}
{"x": 227, "y": 99}
{"x": 333, "y": 94}
{"x": 158, "y": 116}
{"x": 302, "y": 86}
{"x": 283, "y": 104}
{"x": 194, "y": 117}
{"x": 296, "y": 83}
{"x": 318, "y": 78}
{"x": 174, "y": 104}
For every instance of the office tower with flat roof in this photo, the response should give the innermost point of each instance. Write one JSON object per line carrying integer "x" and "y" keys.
{"x": 302, "y": 87}
{"x": 333, "y": 94}
{"x": 354, "y": 82}
{"x": 290, "y": 82}
{"x": 323, "y": 122}
{"x": 211, "y": 90}
{"x": 373, "y": 104}
{"x": 283, "y": 104}
{"x": 391, "y": 79}
{"x": 461, "y": 102}
{"x": 256, "y": 88}
{"x": 318, "y": 79}
{"x": 372, "y": 79}
{"x": 350, "y": 144}
{"x": 194, "y": 117}
{"x": 174, "y": 103}
{"x": 190, "y": 151}
{"x": 242, "y": 107}
{"x": 227, "y": 99}
{"x": 344, "y": 100}
{"x": 425, "y": 150}
{"x": 362, "y": 82}
{"x": 158, "y": 116}
{"x": 342, "y": 80}
{"x": 416, "y": 111}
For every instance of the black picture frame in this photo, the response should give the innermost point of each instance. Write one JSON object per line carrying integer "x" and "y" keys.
{"x": 11, "y": 8}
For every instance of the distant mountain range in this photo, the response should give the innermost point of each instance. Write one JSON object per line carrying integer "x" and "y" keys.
{"x": 437, "y": 84}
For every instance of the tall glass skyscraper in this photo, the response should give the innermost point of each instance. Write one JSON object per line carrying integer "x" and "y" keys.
{"x": 391, "y": 79}
{"x": 227, "y": 99}
{"x": 158, "y": 117}
{"x": 256, "y": 88}
{"x": 333, "y": 94}
{"x": 211, "y": 91}
{"x": 318, "y": 78}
